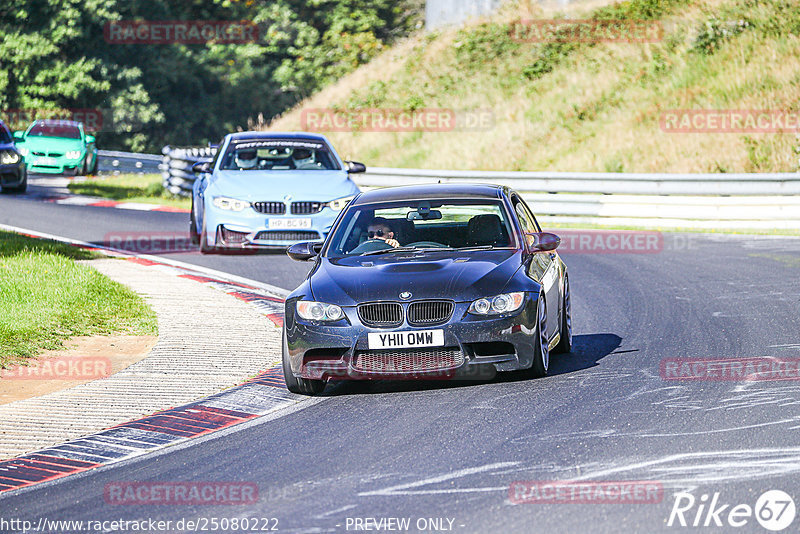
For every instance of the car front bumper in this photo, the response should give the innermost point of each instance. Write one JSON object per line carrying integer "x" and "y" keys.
{"x": 56, "y": 165}
{"x": 482, "y": 346}
{"x": 249, "y": 230}
{"x": 12, "y": 174}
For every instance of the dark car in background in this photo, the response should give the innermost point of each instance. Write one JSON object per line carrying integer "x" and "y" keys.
{"x": 54, "y": 146}
{"x": 427, "y": 282}
{"x": 13, "y": 171}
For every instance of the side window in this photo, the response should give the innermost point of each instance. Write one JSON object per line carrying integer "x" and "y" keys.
{"x": 217, "y": 154}
{"x": 525, "y": 218}
{"x": 531, "y": 215}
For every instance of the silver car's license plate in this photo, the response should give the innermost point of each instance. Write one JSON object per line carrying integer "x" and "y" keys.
{"x": 406, "y": 340}
{"x": 289, "y": 224}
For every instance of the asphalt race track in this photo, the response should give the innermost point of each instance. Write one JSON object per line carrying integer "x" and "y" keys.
{"x": 444, "y": 450}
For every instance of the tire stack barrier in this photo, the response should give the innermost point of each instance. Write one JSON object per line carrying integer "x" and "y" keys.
{"x": 176, "y": 167}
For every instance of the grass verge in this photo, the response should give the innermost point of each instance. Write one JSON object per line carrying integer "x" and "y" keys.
{"x": 145, "y": 188}
{"x": 46, "y": 297}
{"x": 573, "y": 106}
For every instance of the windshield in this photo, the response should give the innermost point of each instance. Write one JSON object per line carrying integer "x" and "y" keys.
{"x": 5, "y": 136}
{"x": 55, "y": 129}
{"x": 278, "y": 155}
{"x": 430, "y": 224}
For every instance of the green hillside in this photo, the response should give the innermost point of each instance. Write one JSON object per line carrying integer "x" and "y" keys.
{"x": 578, "y": 106}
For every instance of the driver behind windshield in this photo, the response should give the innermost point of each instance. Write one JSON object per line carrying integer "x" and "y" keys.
{"x": 246, "y": 159}
{"x": 379, "y": 229}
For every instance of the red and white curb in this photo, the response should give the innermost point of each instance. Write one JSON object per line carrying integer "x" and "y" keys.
{"x": 78, "y": 200}
{"x": 262, "y": 395}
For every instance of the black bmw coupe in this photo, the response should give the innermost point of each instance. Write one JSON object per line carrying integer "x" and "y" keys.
{"x": 427, "y": 282}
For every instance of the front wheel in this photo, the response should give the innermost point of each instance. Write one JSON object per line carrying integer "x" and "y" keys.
{"x": 565, "y": 344}
{"x": 204, "y": 248}
{"x": 541, "y": 356}
{"x": 194, "y": 235}
{"x": 22, "y": 187}
{"x": 300, "y": 386}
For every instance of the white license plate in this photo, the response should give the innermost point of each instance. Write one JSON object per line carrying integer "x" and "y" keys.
{"x": 45, "y": 161}
{"x": 406, "y": 340}
{"x": 289, "y": 224}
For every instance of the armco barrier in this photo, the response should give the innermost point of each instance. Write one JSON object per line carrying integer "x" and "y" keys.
{"x": 766, "y": 201}
{"x": 176, "y": 167}
{"x": 110, "y": 161}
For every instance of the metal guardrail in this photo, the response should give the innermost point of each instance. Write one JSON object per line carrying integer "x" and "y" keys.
{"x": 110, "y": 161}
{"x": 603, "y": 183}
{"x": 176, "y": 167}
{"x": 667, "y": 200}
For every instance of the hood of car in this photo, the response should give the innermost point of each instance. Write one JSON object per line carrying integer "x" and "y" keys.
{"x": 51, "y": 143}
{"x": 429, "y": 275}
{"x": 256, "y": 186}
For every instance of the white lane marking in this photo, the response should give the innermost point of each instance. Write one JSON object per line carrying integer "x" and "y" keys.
{"x": 137, "y": 206}
{"x": 188, "y": 266}
{"x": 79, "y": 201}
{"x": 406, "y": 489}
{"x": 730, "y": 465}
{"x": 342, "y": 509}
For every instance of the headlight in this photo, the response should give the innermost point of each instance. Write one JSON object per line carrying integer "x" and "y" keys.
{"x": 8, "y": 157}
{"x": 73, "y": 154}
{"x": 340, "y": 203}
{"x": 318, "y": 311}
{"x": 498, "y": 305}
{"x": 225, "y": 203}
{"x": 23, "y": 151}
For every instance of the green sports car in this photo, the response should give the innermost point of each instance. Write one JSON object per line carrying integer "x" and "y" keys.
{"x": 57, "y": 146}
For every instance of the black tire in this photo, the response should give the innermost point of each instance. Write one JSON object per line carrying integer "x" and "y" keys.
{"x": 194, "y": 235}
{"x": 300, "y": 386}
{"x": 541, "y": 356}
{"x": 93, "y": 170}
{"x": 565, "y": 343}
{"x": 204, "y": 248}
{"x": 21, "y": 188}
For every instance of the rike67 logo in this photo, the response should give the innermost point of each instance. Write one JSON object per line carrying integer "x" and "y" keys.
{"x": 774, "y": 510}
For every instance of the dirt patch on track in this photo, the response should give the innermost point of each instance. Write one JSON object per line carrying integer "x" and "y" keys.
{"x": 85, "y": 359}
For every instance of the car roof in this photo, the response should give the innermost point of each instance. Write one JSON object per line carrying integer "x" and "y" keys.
{"x": 432, "y": 191}
{"x": 63, "y": 122}
{"x": 277, "y": 135}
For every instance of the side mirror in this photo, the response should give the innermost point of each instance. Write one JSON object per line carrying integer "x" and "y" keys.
{"x": 304, "y": 251}
{"x": 90, "y": 139}
{"x": 542, "y": 242}
{"x": 201, "y": 167}
{"x": 354, "y": 167}
{"x": 19, "y": 136}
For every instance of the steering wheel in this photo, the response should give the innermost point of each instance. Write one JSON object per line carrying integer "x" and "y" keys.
{"x": 371, "y": 246}
{"x": 427, "y": 244}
